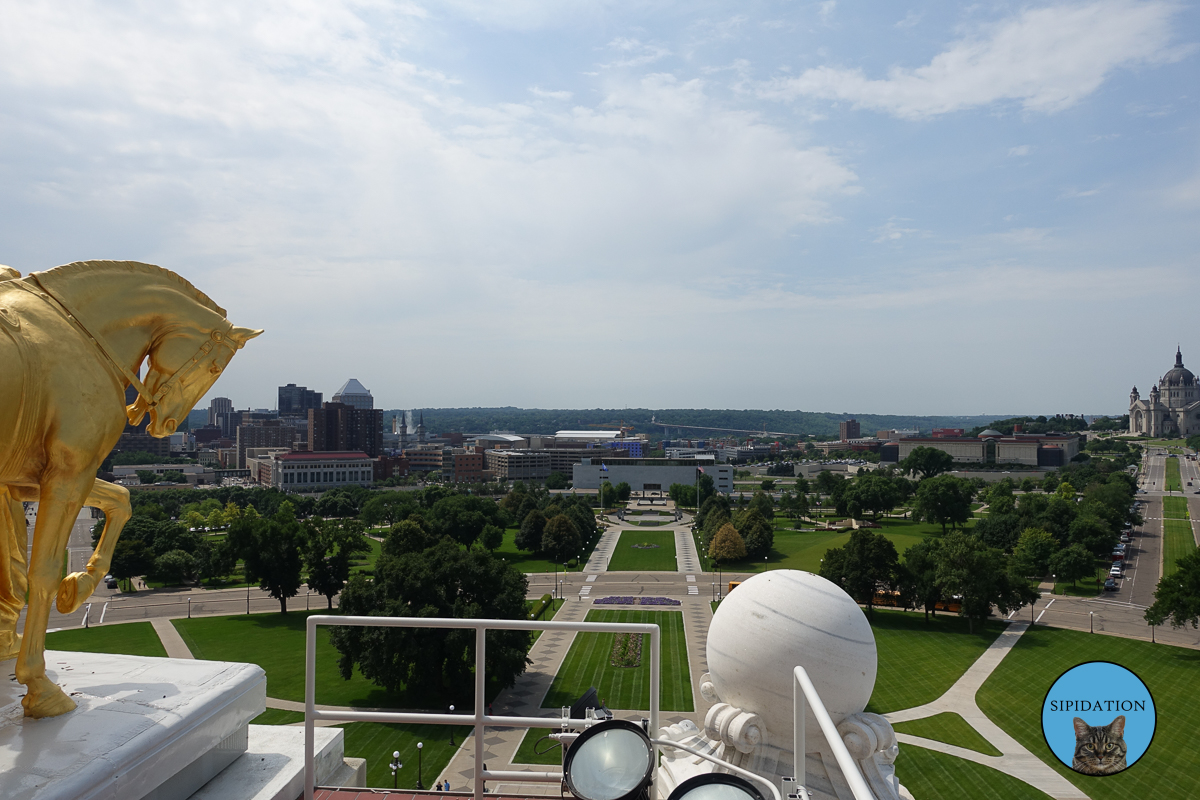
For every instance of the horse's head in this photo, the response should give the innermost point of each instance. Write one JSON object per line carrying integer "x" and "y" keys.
{"x": 184, "y": 364}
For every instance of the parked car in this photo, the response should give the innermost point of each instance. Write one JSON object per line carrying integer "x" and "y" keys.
{"x": 1110, "y": 585}
{"x": 1118, "y": 555}
{"x": 111, "y": 583}
{"x": 1116, "y": 570}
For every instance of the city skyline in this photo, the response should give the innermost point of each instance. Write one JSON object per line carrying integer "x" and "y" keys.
{"x": 920, "y": 209}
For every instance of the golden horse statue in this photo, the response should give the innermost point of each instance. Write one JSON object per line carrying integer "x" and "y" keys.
{"x": 73, "y": 339}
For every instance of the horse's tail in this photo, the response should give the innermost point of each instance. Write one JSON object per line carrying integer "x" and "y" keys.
{"x": 14, "y": 578}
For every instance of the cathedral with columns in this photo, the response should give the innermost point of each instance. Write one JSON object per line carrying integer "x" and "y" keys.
{"x": 1171, "y": 409}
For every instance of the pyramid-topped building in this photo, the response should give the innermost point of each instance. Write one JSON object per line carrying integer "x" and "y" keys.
{"x": 354, "y": 394}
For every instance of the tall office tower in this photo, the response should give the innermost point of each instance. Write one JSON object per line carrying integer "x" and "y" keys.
{"x": 339, "y": 427}
{"x": 295, "y": 401}
{"x": 849, "y": 429}
{"x": 219, "y": 405}
{"x": 354, "y": 394}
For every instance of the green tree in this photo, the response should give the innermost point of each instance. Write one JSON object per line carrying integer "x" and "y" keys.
{"x": 556, "y": 480}
{"x": 214, "y": 559}
{"x": 727, "y": 545}
{"x": 1177, "y": 598}
{"x": 683, "y": 494}
{"x": 174, "y": 567}
{"x": 757, "y": 532}
{"x": 1072, "y": 563}
{"x": 1094, "y": 534}
{"x": 871, "y": 494}
{"x": 827, "y": 482}
{"x": 624, "y": 490}
{"x": 763, "y": 504}
{"x": 529, "y": 536}
{"x": 462, "y": 517}
{"x": 387, "y": 508}
{"x": 768, "y": 485}
{"x": 866, "y": 564}
{"x": 560, "y": 539}
{"x": 444, "y": 580}
{"x": 1000, "y": 498}
{"x": 271, "y": 549}
{"x": 131, "y": 558}
{"x": 492, "y": 537}
{"x": 329, "y": 548}
{"x": 921, "y": 574}
{"x": 978, "y": 574}
{"x": 1031, "y": 557}
{"x": 1001, "y": 531}
{"x": 944, "y": 500}
{"x": 145, "y": 476}
{"x": 927, "y": 462}
{"x": 708, "y": 488}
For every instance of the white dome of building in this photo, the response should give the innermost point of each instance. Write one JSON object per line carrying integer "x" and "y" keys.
{"x": 781, "y": 619}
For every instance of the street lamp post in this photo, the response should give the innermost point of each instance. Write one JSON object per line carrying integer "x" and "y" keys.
{"x": 420, "y": 747}
{"x": 396, "y": 765}
{"x": 1091, "y": 622}
{"x": 452, "y": 728}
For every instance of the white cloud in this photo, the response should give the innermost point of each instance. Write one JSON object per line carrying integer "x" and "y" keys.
{"x": 1073, "y": 193}
{"x": 825, "y": 9}
{"x": 562, "y": 95}
{"x": 893, "y": 230}
{"x": 911, "y": 20}
{"x": 635, "y": 53}
{"x": 1046, "y": 59}
{"x": 1020, "y": 150}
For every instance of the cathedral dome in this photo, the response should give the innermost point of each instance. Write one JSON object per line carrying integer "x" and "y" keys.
{"x": 1180, "y": 375}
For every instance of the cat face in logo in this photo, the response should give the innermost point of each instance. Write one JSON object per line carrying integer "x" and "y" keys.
{"x": 1100, "y": 749}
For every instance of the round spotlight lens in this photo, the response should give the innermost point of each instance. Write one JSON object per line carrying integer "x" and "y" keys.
{"x": 716, "y": 786}
{"x": 609, "y": 761}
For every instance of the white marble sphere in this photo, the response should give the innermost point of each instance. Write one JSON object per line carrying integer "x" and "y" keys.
{"x": 777, "y": 620}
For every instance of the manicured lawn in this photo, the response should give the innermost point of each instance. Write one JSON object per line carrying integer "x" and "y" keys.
{"x": 1173, "y": 482}
{"x": 627, "y": 558}
{"x": 1178, "y": 539}
{"x": 804, "y": 550}
{"x": 1085, "y": 587}
{"x": 530, "y": 562}
{"x": 376, "y": 742}
{"x": 588, "y": 664}
{"x": 526, "y": 753}
{"x": 278, "y": 716}
{"x": 950, "y": 728}
{"x": 1013, "y": 697}
{"x": 276, "y": 643}
{"x": 918, "y": 662}
{"x": 127, "y": 639}
{"x": 930, "y": 775}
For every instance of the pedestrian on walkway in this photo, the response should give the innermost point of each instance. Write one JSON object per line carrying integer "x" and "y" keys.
{"x": 439, "y": 786}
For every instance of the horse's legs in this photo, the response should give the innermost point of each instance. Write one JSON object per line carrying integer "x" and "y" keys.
{"x": 113, "y": 500}
{"x": 14, "y": 541}
{"x": 58, "y": 506}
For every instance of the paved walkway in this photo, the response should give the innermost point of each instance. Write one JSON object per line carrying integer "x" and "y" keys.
{"x": 170, "y": 638}
{"x": 960, "y": 699}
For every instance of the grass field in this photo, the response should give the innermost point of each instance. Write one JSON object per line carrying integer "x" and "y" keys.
{"x": 918, "y": 662}
{"x": 1178, "y": 539}
{"x": 1012, "y": 697}
{"x": 376, "y": 742}
{"x": 530, "y": 562}
{"x": 1085, "y": 587}
{"x": 278, "y": 716}
{"x": 804, "y": 550}
{"x": 626, "y": 558}
{"x": 930, "y": 775}
{"x": 128, "y": 639}
{"x": 526, "y": 754}
{"x": 1173, "y": 482}
{"x": 587, "y": 664}
{"x": 555, "y": 605}
{"x": 950, "y": 728}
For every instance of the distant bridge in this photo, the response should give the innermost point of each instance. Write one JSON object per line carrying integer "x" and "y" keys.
{"x": 763, "y": 432}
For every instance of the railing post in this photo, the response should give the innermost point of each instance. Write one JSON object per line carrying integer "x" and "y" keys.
{"x": 798, "y": 745}
{"x": 655, "y": 684}
{"x": 310, "y": 693}
{"x": 480, "y": 705}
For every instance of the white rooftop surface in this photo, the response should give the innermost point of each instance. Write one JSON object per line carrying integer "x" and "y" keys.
{"x": 352, "y": 386}
{"x": 158, "y": 727}
{"x": 597, "y": 435}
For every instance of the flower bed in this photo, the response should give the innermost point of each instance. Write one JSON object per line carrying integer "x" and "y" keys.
{"x": 627, "y": 650}
{"x": 628, "y": 600}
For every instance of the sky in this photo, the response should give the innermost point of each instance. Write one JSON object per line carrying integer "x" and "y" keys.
{"x": 911, "y": 208}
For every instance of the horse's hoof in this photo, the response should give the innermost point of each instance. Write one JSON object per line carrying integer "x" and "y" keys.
{"x": 10, "y": 645}
{"x": 74, "y": 589}
{"x": 44, "y": 699}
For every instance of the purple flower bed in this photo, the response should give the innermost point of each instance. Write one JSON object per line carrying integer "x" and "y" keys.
{"x": 627, "y": 600}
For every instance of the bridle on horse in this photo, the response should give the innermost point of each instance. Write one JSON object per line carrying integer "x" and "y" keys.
{"x": 219, "y": 337}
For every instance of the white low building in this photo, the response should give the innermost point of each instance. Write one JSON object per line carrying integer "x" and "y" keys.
{"x": 650, "y": 474}
{"x": 311, "y": 472}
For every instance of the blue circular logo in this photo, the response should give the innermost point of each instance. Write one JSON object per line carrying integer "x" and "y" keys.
{"x": 1098, "y": 718}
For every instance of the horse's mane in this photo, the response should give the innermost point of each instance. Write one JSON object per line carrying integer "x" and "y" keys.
{"x": 93, "y": 268}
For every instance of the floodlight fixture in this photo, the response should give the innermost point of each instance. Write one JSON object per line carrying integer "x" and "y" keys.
{"x": 610, "y": 761}
{"x": 716, "y": 786}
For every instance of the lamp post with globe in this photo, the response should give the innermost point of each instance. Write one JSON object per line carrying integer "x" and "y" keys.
{"x": 396, "y": 765}
{"x": 420, "y": 747}
{"x": 452, "y": 728}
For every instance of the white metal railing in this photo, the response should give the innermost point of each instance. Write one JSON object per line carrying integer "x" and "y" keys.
{"x": 802, "y": 691}
{"x": 479, "y": 720}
